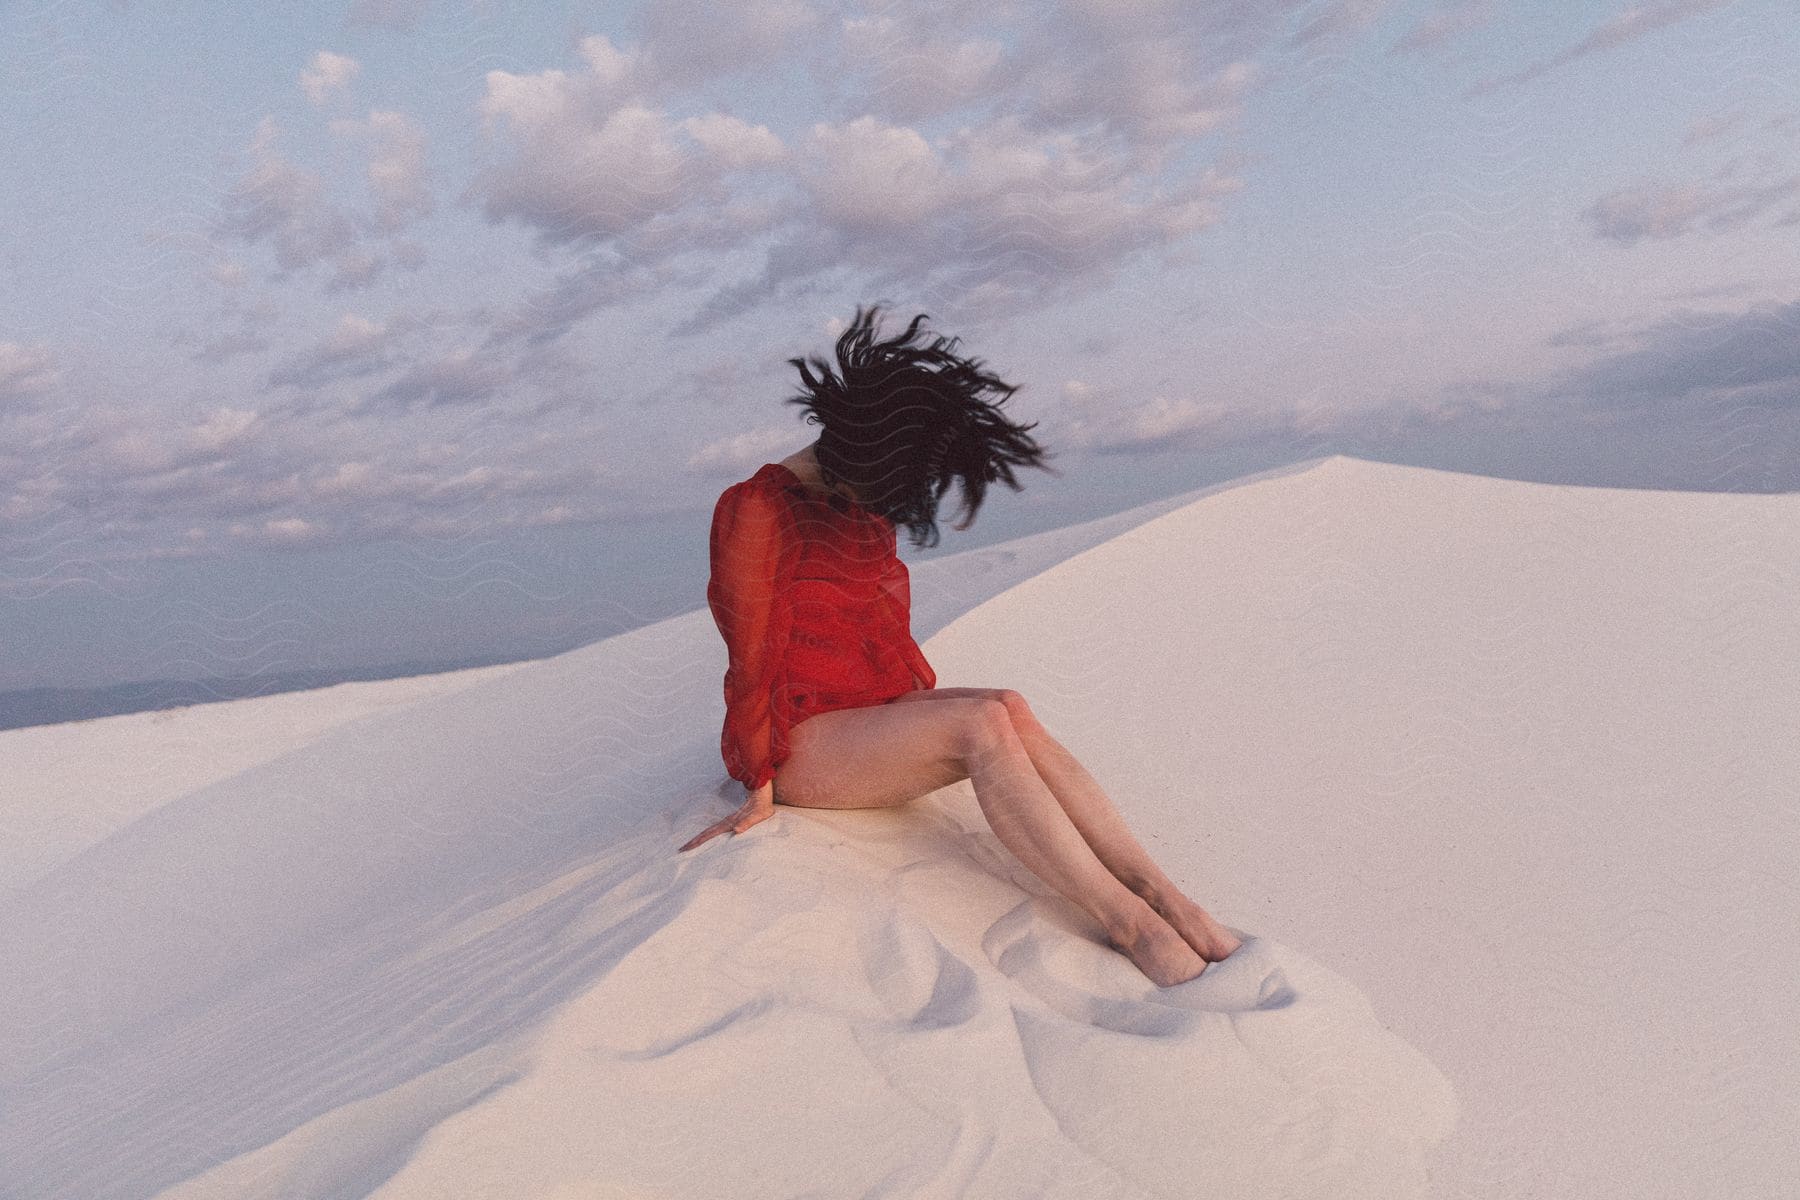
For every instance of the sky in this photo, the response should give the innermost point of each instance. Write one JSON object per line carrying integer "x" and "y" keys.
{"x": 346, "y": 334}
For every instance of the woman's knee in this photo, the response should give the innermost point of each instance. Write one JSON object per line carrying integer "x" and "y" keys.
{"x": 982, "y": 722}
{"x": 1014, "y": 701}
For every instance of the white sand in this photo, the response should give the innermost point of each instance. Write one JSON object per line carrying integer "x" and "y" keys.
{"x": 72, "y": 784}
{"x": 1497, "y": 778}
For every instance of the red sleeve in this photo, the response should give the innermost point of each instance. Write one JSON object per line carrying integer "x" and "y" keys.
{"x": 896, "y": 592}
{"x": 752, "y": 535}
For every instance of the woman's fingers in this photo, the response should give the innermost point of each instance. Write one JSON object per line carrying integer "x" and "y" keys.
{"x": 745, "y": 820}
{"x": 711, "y": 831}
{"x": 737, "y": 822}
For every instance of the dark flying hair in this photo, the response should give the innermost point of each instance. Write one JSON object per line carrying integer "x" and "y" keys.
{"x": 902, "y": 422}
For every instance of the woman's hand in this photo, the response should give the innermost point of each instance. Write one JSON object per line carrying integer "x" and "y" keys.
{"x": 757, "y": 807}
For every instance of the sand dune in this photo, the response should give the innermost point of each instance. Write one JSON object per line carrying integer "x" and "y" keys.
{"x": 1496, "y": 779}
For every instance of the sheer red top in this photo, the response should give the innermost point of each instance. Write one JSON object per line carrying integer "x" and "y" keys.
{"x": 816, "y": 610}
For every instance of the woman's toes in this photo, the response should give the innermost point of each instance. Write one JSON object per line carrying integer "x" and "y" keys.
{"x": 1210, "y": 940}
{"x": 1164, "y": 957}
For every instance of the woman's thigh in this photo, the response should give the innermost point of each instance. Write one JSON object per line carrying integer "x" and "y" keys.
{"x": 950, "y": 693}
{"x": 880, "y": 754}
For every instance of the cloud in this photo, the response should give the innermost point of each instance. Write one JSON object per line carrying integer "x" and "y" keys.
{"x": 1438, "y": 27}
{"x": 592, "y": 163}
{"x": 356, "y": 347}
{"x": 459, "y": 377}
{"x": 281, "y": 204}
{"x": 1751, "y": 356}
{"x": 1095, "y": 420}
{"x": 1078, "y": 155}
{"x": 25, "y": 370}
{"x": 397, "y": 171}
{"x": 1596, "y": 333}
{"x": 124, "y": 445}
{"x": 742, "y": 453}
{"x": 1671, "y": 210}
{"x": 912, "y": 69}
{"x": 326, "y": 74}
{"x": 735, "y": 144}
{"x": 223, "y": 347}
{"x": 120, "y": 482}
{"x": 367, "y": 482}
{"x": 1339, "y": 17}
{"x": 281, "y": 533}
{"x": 866, "y": 175}
{"x": 601, "y": 283}
{"x": 1152, "y": 92}
{"x": 690, "y": 41}
{"x": 1713, "y": 125}
{"x": 594, "y": 159}
{"x": 991, "y": 217}
{"x": 1154, "y": 76}
{"x": 285, "y": 206}
{"x": 1625, "y": 26}
{"x": 223, "y": 430}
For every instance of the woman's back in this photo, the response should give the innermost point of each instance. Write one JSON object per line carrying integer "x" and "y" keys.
{"x": 814, "y": 604}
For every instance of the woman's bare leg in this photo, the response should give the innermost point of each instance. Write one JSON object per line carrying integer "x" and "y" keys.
{"x": 1100, "y": 824}
{"x": 891, "y": 753}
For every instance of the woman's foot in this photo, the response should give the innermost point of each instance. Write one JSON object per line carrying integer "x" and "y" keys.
{"x": 1159, "y": 952}
{"x": 1197, "y": 927}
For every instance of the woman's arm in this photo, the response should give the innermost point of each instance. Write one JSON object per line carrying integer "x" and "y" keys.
{"x": 896, "y": 596}
{"x": 751, "y": 534}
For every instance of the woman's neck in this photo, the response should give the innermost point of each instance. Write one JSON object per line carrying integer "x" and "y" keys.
{"x": 805, "y": 464}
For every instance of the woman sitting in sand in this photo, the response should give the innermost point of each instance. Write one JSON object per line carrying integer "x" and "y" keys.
{"x": 829, "y": 702}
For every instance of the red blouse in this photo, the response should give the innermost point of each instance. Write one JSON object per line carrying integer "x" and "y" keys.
{"x": 816, "y": 610}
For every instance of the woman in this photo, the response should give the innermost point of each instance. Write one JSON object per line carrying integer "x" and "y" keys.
{"x": 829, "y": 702}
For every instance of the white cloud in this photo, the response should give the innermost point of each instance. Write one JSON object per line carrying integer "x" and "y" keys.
{"x": 1158, "y": 93}
{"x": 397, "y": 169}
{"x": 223, "y": 430}
{"x": 1662, "y": 211}
{"x": 689, "y": 41}
{"x": 125, "y": 444}
{"x": 993, "y": 216}
{"x": 356, "y": 346}
{"x": 326, "y": 74}
{"x": 915, "y": 70}
{"x": 1078, "y": 157}
{"x": 735, "y": 143}
{"x": 595, "y": 157}
{"x": 1095, "y": 423}
{"x": 576, "y": 175}
{"x": 277, "y": 202}
{"x": 869, "y": 175}
{"x": 281, "y": 531}
{"x": 744, "y": 452}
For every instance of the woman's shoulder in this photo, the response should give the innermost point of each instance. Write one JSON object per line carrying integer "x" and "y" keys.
{"x": 768, "y": 478}
{"x": 767, "y": 492}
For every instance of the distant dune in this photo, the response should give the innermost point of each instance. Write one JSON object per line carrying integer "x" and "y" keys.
{"x": 1496, "y": 778}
